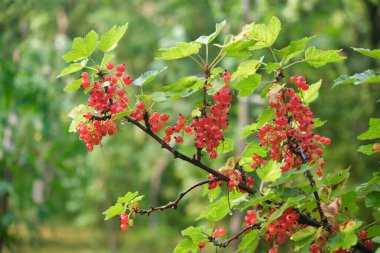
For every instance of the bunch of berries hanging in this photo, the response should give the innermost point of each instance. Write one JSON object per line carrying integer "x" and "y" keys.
{"x": 209, "y": 127}
{"x": 290, "y": 137}
{"x": 107, "y": 98}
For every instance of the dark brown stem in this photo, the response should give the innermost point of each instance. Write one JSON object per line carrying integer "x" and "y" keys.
{"x": 184, "y": 157}
{"x": 225, "y": 243}
{"x": 174, "y": 204}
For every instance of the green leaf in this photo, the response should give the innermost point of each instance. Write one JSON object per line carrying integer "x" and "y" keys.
{"x": 318, "y": 122}
{"x": 127, "y": 197}
{"x": 77, "y": 116}
{"x": 249, "y": 130}
{"x": 288, "y": 175}
{"x": 188, "y": 82}
{"x": 334, "y": 179}
{"x": 265, "y": 35}
{"x": 294, "y": 49}
{"x": 117, "y": 209}
{"x": 82, "y": 47}
{"x": 248, "y": 85}
{"x": 106, "y": 58}
{"x": 254, "y": 148}
{"x": 122, "y": 114}
{"x": 225, "y": 146}
{"x": 249, "y": 242}
{"x": 303, "y": 237}
{"x": 110, "y": 40}
{"x": 71, "y": 69}
{"x": 195, "y": 233}
{"x": 368, "y": 76}
{"x": 272, "y": 66}
{"x": 373, "y": 231}
{"x": 367, "y": 149}
{"x": 148, "y": 76}
{"x": 266, "y": 117}
{"x": 246, "y": 68}
{"x": 346, "y": 238}
{"x": 212, "y": 194}
{"x": 73, "y": 86}
{"x": 372, "y": 199}
{"x": 317, "y": 58}
{"x": 270, "y": 172}
{"x": 371, "y": 53}
{"x": 181, "y": 50}
{"x": 373, "y": 131}
{"x": 239, "y": 49}
{"x": 185, "y": 246}
{"x": 220, "y": 208}
{"x": 312, "y": 93}
{"x": 208, "y": 39}
{"x": 348, "y": 201}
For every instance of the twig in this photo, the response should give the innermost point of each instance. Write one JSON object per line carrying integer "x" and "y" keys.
{"x": 173, "y": 204}
{"x": 225, "y": 243}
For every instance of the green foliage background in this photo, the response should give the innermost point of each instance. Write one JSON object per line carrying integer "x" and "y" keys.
{"x": 55, "y": 189}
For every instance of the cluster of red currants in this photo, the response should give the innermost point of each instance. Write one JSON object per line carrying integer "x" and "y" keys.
{"x": 176, "y": 129}
{"x": 250, "y": 219}
{"x": 107, "y": 98}
{"x": 124, "y": 219}
{"x": 290, "y": 136}
{"x": 209, "y": 128}
{"x": 281, "y": 228}
{"x": 218, "y": 233}
{"x": 235, "y": 179}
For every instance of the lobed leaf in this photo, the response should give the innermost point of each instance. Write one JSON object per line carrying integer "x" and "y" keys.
{"x": 312, "y": 93}
{"x": 109, "y": 41}
{"x": 248, "y": 242}
{"x": 127, "y": 197}
{"x": 265, "y": 35}
{"x": 208, "y": 39}
{"x": 270, "y": 172}
{"x": 346, "y": 237}
{"x": 266, "y": 117}
{"x": 73, "y": 86}
{"x": 82, "y": 47}
{"x": 371, "y": 53}
{"x": 248, "y": 85}
{"x": 71, "y": 69}
{"x": 246, "y": 69}
{"x": 185, "y": 246}
{"x": 368, "y": 76}
{"x": 373, "y": 199}
{"x": 303, "y": 237}
{"x": 367, "y": 149}
{"x": 117, "y": 209}
{"x": 294, "y": 49}
{"x": 148, "y": 76}
{"x": 181, "y": 50}
{"x": 317, "y": 58}
{"x": 373, "y": 132}
{"x": 225, "y": 146}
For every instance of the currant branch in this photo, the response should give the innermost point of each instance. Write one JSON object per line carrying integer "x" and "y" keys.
{"x": 225, "y": 243}
{"x": 174, "y": 204}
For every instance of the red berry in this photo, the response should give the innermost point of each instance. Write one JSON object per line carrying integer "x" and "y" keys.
{"x": 178, "y": 139}
{"x": 319, "y": 172}
{"x": 119, "y": 74}
{"x": 201, "y": 245}
{"x": 109, "y": 65}
{"x": 226, "y": 76}
{"x": 85, "y": 75}
{"x": 124, "y": 218}
{"x": 140, "y": 105}
{"x": 88, "y": 115}
{"x": 376, "y": 147}
{"x": 123, "y": 226}
{"x": 164, "y": 117}
{"x": 85, "y": 83}
{"x": 120, "y": 67}
{"x": 314, "y": 248}
{"x": 363, "y": 234}
{"x": 127, "y": 80}
{"x": 368, "y": 243}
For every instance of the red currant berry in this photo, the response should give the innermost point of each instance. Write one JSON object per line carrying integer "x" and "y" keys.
{"x": 85, "y": 75}
{"x": 363, "y": 234}
{"x": 85, "y": 83}
{"x": 88, "y": 115}
{"x": 178, "y": 139}
{"x": 319, "y": 172}
{"x": 123, "y": 226}
{"x": 109, "y": 65}
{"x": 140, "y": 105}
{"x": 124, "y": 218}
{"x": 376, "y": 147}
{"x": 164, "y": 117}
{"x": 127, "y": 80}
{"x": 120, "y": 67}
{"x": 201, "y": 245}
{"x": 368, "y": 243}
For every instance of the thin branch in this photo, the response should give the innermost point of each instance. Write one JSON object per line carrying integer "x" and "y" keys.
{"x": 174, "y": 204}
{"x": 225, "y": 243}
